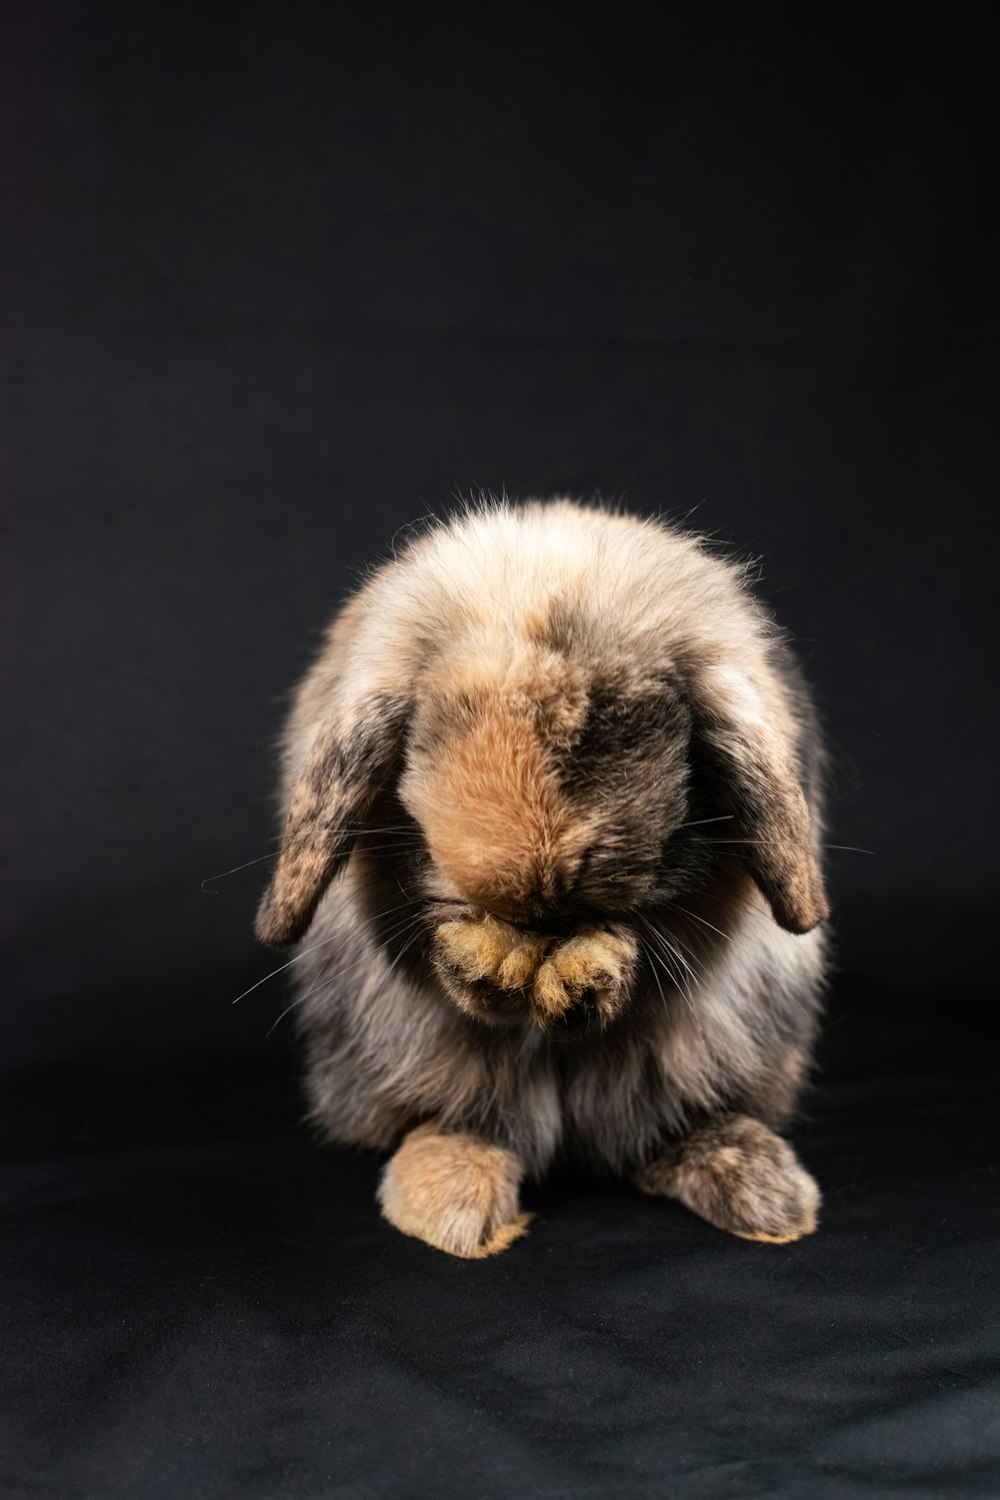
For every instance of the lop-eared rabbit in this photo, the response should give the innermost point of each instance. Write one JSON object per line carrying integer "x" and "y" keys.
{"x": 552, "y": 854}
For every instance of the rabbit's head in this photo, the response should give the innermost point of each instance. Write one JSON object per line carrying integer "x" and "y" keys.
{"x": 539, "y": 787}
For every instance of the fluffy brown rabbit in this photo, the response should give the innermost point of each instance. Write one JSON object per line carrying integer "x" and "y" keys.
{"x": 553, "y": 840}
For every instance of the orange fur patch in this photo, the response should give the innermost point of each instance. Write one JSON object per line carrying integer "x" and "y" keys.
{"x": 457, "y": 1193}
{"x": 493, "y": 812}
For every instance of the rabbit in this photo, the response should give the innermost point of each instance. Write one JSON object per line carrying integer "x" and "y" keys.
{"x": 553, "y": 839}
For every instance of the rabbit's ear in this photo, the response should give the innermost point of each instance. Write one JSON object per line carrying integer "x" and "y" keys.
{"x": 346, "y": 767}
{"x": 752, "y": 778}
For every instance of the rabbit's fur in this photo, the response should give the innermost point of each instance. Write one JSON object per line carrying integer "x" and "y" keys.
{"x": 553, "y": 834}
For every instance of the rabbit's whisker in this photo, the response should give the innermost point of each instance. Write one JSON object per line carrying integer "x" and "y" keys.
{"x": 327, "y": 979}
{"x": 791, "y": 843}
{"x": 668, "y": 952}
{"x": 699, "y": 822}
{"x": 408, "y": 944}
{"x": 779, "y": 979}
{"x": 281, "y": 967}
{"x": 312, "y": 949}
{"x": 388, "y": 848}
{"x": 657, "y": 960}
{"x": 710, "y": 925}
{"x": 273, "y": 854}
{"x": 362, "y": 830}
{"x": 755, "y": 958}
{"x": 695, "y": 978}
{"x": 652, "y": 958}
{"x": 416, "y": 842}
{"x": 358, "y": 832}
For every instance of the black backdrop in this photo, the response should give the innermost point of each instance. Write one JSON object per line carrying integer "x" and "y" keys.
{"x": 278, "y": 281}
{"x": 275, "y": 288}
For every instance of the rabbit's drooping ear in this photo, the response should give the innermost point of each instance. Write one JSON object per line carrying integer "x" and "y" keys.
{"x": 346, "y": 767}
{"x": 755, "y": 782}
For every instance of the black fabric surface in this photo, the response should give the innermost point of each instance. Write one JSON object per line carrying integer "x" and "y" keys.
{"x": 220, "y": 1311}
{"x": 274, "y": 283}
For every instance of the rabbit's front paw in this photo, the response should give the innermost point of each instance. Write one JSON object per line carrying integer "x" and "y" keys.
{"x": 741, "y": 1177}
{"x": 492, "y": 951}
{"x": 456, "y": 1192}
{"x": 591, "y": 970}
{"x": 497, "y": 971}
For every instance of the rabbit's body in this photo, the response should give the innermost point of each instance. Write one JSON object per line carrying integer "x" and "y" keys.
{"x": 566, "y": 771}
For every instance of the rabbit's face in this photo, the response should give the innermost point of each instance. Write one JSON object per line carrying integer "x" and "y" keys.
{"x": 551, "y": 802}
{"x": 559, "y": 768}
